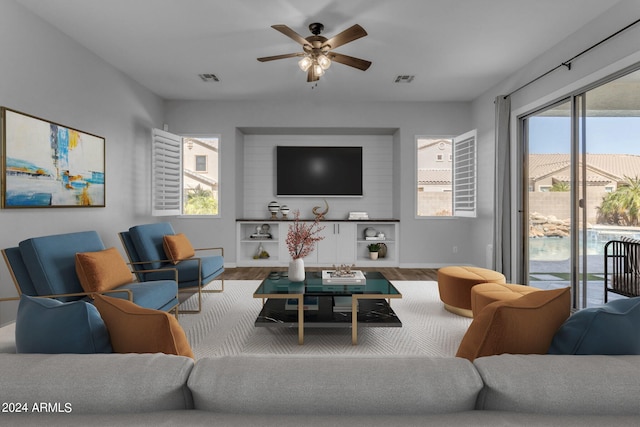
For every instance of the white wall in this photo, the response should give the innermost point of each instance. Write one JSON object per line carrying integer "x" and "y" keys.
{"x": 46, "y": 74}
{"x": 612, "y": 56}
{"x": 377, "y": 170}
{"x": 240, "y": 121}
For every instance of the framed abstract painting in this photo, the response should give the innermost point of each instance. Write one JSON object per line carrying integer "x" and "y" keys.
{"x": 45, "y": 164}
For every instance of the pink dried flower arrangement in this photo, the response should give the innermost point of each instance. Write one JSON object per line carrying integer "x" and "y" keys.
{"x": 302, "y": 236}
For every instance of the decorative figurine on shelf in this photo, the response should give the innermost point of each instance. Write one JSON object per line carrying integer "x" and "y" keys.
{"x": 320, "y": 215}
{"x": 261, "y": 253}
{"x": 284, "y": 210}
{"x": 273, "y": 207}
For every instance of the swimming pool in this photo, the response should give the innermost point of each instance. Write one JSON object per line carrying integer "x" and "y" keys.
{"x": 558, "y": 248}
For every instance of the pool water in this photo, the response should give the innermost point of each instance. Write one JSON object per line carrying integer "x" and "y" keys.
{"x": 558, "y": 248}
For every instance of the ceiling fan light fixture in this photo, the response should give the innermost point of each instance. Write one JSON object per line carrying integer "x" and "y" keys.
{"x": 318, "y": 53}
{"x": 305, "y": 63}
{"x": 324, "y": 61}
{"x": 318, "y": 70}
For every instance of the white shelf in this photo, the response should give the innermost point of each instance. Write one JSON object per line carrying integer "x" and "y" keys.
{"x": 337, "y": 236}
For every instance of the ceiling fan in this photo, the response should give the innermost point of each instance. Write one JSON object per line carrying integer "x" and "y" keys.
{"x": 318, "y": 50}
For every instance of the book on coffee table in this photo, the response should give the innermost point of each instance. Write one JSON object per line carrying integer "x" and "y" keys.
{"x": 310, "y": 303}
{"x": 342, "y": 304}
{"x": 330, "y": 277}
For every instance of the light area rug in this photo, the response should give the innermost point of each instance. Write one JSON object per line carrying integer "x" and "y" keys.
{"x": 226, "y": 327}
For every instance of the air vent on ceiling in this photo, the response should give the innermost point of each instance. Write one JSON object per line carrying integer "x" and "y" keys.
{"x": 404, "y": 79}
{"x": 209, "y": 77}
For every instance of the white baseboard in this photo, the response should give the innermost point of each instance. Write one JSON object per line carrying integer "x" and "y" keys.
{"x": 428, "y": 265}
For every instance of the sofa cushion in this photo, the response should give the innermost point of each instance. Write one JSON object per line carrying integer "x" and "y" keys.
{"x": 134, "y": 329}
{"x": 45, "y": 325}
{"x": 609, "y": 329}
{"x": 102, "y": 270}
{"x": 147, "y": 239}
{"x": 561, "y": 385}
{"x": 177, "y": 247}
{"x": 95, "y": 384}
{"x": 51, "y": 262}
{"x": 522, "y": 326}
{"x": 338, "y": 385}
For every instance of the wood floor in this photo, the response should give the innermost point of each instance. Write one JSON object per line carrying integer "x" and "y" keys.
{"x": 259, "y": 273}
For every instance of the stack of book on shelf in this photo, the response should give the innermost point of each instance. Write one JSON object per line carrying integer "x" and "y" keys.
{"x": 342, "y": 304}
{"x": 310, "y": 303}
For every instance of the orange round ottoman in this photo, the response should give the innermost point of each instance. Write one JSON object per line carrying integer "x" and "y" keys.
{"x": 486, "y": 293}
{"x": 455, "y": 284}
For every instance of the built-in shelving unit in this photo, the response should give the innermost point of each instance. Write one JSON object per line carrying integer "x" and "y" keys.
{"x": 345, "y": 242}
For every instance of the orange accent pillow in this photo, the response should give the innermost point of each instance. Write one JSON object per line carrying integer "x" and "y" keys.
{"x": 522, "y": 326}
{"x": 177, "y": 247}
{"x": 102, "y": 270}
{"x": 134, "y": 329}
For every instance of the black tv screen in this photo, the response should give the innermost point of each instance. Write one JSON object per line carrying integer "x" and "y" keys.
{"x": 318, "y": 171}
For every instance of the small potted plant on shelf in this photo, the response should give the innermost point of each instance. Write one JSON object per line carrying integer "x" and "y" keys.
{"x": 374, "y": 248}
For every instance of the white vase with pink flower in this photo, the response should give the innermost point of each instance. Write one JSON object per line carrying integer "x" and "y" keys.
{"x": 301, "y": 239}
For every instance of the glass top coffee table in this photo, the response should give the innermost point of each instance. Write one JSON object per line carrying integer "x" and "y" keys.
{"x": 312, "y": 304}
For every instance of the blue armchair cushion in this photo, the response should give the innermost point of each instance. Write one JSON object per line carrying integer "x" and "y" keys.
{"x": 45, "y": 325}
{"x": 20, "y": 271}
{"x": 158, "y": 294}
{"x": 148, "y": 239}
{"x": 212, "y": 267}
{"x": 611, "y": 329}
{"x": 50, "y": 261}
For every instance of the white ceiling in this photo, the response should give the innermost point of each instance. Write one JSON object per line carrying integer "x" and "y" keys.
{"x": 457, "y": 49}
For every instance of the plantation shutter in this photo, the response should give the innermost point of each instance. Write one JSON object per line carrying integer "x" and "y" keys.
{"x": 464, "y": 175}
{"x": 166, "y": 174}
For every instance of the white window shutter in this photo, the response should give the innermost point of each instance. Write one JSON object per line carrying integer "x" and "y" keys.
{"x": 166, "y": 174}
{"x": 464, "y": 175}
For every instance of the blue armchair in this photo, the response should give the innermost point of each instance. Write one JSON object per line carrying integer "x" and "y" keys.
{"x": 144, "y": 247}
{"x": 46, "y": 267}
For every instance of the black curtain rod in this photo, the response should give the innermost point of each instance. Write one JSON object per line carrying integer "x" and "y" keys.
{"x": 568, "y": 62}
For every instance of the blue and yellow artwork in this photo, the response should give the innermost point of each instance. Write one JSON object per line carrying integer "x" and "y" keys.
{"x": 49, "y": 165}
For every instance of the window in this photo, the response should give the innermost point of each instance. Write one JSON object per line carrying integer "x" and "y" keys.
{"x": 447, "y": 189}
{"x": 201, "y": 163}
{"x": 185, "y": 177}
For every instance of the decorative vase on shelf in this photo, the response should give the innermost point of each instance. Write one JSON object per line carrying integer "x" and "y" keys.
{"x": 273, "y": 207}
{"x": 296, "y": 270}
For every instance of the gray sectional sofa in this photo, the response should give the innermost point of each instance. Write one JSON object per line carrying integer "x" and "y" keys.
{"x": 162, "y": 390}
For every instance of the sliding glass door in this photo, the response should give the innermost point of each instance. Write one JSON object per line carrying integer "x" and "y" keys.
{"x": 581, "y": 186}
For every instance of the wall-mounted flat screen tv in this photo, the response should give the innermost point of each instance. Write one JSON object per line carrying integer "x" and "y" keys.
{"x": 318, "y": 171}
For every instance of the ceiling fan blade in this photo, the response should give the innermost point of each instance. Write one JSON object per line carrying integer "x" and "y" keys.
{"x": 286, "y": 55}
{"x": 348, "y": 35}
{"x": 358, "y": 63}
{"x": 290, "y": 33}
{"x": 311, "y": 76}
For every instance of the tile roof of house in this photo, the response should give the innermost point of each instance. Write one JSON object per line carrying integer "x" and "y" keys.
{"x": 434, "y": 176}
{"x": 601, "y": 167}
